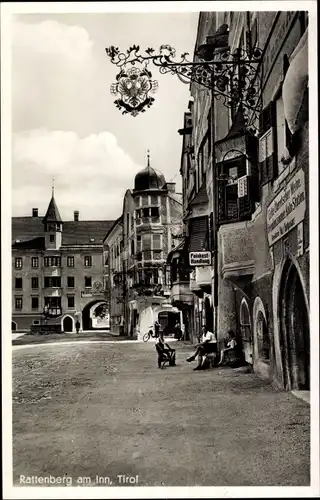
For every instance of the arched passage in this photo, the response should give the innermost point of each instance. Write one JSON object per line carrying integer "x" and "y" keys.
{"x": 87, "y": 313}
{"x": 13, "y": 326}
{"x": 261, "y": 332}
{"x": 246, "y": 332}
{"x": 67, "y": 324}
{"x": 294, "y": 330}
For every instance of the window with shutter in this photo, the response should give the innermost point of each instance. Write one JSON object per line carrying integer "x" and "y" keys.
{"x": 234, "y": 190}
{"x": 198, "y": 234}
{"x": 267, "y": 144}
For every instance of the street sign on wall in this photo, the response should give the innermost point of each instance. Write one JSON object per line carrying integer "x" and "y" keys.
{"x": 287, "y": 209}
{"x": 200, "y": 258}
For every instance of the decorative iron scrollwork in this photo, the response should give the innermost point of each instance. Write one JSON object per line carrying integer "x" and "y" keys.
{"x": 232, "y": 76}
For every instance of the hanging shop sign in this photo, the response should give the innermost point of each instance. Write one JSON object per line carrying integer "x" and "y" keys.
{"x": 287, "y": 209}
{"x": 200, "y": 258}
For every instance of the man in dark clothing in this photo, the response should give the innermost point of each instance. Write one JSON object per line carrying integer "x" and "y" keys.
{"x": 166, "y": 349}
{"x": 156, "y": 328}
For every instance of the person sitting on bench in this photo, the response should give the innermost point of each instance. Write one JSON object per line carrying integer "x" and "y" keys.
{"x": 208, "y": 345}
{"x": 166, "y": 350}
{"x": 231, "y": 346}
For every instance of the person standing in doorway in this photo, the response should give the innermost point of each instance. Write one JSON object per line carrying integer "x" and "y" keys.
{"x": 178, "y": 332}
{"x": 156, "y": 329}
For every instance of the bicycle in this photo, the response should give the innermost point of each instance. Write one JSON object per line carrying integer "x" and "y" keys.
{"x": 150, "y": 335}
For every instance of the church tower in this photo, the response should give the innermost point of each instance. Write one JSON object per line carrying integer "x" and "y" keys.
{"x": 52, "y": 226}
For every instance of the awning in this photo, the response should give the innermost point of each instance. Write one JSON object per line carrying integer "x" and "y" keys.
{"x": 294, "y": 90}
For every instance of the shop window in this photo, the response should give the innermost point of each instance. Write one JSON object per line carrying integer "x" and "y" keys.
{"x": 52, "y": 238}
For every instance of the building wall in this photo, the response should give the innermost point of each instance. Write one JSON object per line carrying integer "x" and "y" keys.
{"x": 257, "y": 265}
{"x": 82, "y": 296}
{"x": 114, "y": 286}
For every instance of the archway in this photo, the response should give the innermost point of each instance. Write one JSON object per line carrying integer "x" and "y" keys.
{"x": 13, "y": 326}
{"x": 67, "y": 324}
{"x": 294, "y": 330}
{"x": 87, "y": 315}
{"x": 261, "y": 332}
{"x": 245, "y": 331}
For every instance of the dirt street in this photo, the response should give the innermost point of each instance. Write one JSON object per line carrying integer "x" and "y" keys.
{"x": 105, "y": 410}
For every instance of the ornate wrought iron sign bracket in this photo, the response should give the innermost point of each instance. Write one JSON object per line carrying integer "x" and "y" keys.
{"x": 231, "y": 76}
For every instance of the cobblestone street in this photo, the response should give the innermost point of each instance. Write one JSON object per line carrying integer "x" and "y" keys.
{"x": 107, "y": 410}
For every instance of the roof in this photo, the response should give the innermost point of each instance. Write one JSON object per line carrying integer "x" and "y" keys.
{"x": 116, "y": 222}
{"x": 200, "y": 197}
{"x": 73, "y": 233}
{"x": 52, "y": 214}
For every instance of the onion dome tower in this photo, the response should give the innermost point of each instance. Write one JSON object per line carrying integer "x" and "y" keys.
{"x": 148, "y": 178}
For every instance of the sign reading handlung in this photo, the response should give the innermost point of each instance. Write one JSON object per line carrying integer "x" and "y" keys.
{"x": 200, "y": 258}
{"x": 287, "y": 209}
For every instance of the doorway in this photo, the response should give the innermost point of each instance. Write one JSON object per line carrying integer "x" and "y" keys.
{"x": 294, "y": 330}
{"x": 67, "y": 324}
{"x": 209, "y": 314}
{"x": 246, "y": 331}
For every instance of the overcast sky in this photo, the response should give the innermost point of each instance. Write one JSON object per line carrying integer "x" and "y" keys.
{"x": 64, "y": 122}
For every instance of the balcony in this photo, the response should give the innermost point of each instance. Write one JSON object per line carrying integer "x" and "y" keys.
{"x": 148, "y": 290}
{"x": 53, "y": 291}
{"x": 180, "y": 294}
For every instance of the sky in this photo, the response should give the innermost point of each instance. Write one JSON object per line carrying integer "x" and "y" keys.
{"x": 64, "y": 122}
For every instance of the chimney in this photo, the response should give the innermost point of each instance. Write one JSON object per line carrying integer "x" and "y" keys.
{"x": 171, "y": 187}
{"x": 34, "y": 212}
{"x": 76, "y": 216}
